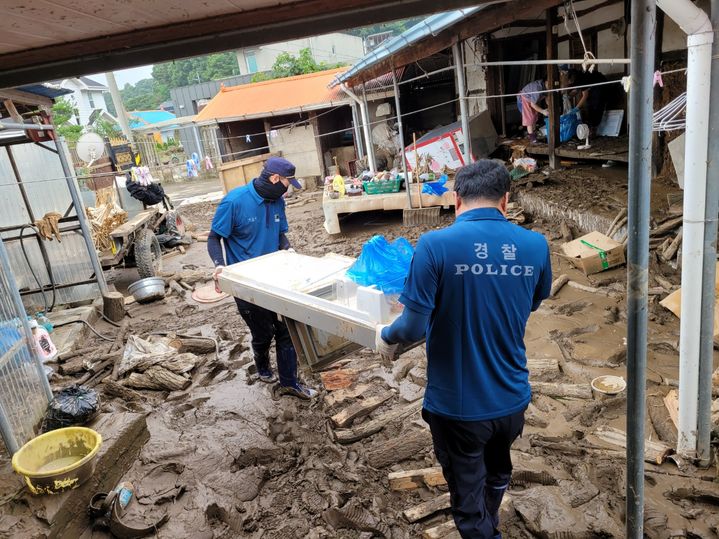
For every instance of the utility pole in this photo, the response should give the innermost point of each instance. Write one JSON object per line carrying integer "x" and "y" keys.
{"x": 119, "y": 107}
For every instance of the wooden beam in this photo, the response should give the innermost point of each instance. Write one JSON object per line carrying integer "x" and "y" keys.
{"x": 553, "y": 134}
{"x": 241, "y": 28}
{"x": 447, "y": 530}
{"x": 423, "y": 510}
{"x": 485, "y": 21}
{"x": 411, "y": 479}
{"x": 359, "y": 409}
{"x": 347, "y": 436}
{"x": 25, "y": 98}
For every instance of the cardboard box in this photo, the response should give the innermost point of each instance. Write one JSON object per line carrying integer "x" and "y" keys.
{"x": 594, "y": 253}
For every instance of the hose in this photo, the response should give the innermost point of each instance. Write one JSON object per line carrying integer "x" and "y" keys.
{"x": 109, "y": 339}
{"x": 48, "y": 269}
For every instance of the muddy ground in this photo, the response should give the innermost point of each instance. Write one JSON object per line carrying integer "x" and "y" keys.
{"x": 228, "y": 458}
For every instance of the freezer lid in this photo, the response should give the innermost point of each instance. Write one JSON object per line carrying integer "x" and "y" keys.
{"x": 301, "y": 288}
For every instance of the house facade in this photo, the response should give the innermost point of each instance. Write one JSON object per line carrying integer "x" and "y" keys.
{"x": 331, "y": 48}
{"x": 87, "y": 96}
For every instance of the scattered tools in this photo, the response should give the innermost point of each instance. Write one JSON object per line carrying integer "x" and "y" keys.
{"x": 421, "y": 215}
{"x": 107, "y": 511}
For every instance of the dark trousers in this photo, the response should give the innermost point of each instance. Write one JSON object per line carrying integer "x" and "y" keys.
{"x": 476, "y": 463}
{"x": 264, "y": 326}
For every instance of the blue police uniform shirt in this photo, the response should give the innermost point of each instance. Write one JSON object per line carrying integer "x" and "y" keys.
{"x": 478, "y": 280}
{"x": 250, "y": 225}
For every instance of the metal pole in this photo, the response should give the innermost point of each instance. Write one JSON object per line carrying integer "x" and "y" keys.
{"x": 640, "y": 174}
{"x": 20, "y": 308}
{"x": 119, "y": 107}
{"x": 82, "y": 219}
{"x": 400, "y": 127}
{"x": 711, "y": 211}
{"x": 357, "y": 130}
{"x": 26, "y": 127}
{"x": 196, "y": 134}
{"x": 462, "y": 94}
{"x": 368, "y": 131}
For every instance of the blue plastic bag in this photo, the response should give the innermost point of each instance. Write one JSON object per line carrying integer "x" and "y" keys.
{"x": 567, "y": 126}
{"x": 436, "y": 188}
{"x": 383, "y": 264}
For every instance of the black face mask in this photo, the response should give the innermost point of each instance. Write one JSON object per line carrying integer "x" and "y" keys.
{"x": 268, "y": 190}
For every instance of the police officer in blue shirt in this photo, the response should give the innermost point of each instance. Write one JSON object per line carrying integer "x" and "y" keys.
{"x": 470, "y": 290}
{"x": 251, "y": 222}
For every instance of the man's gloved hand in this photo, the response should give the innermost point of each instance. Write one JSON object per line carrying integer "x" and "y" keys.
{"x": 545, "y": 112}
{"x": 216, "y": 278}
{"x": 387, "y": 352}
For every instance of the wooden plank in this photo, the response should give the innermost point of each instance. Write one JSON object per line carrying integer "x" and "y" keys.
{"x": 573, "y": 391}
{"x": 654, "y": 452}
{"x": 671, "y": 401}
{"x": 411, "y": 479}
{"x": 338, "y": 378}
{"x": 402, "y": 447}
{"x": 542, "y": 366}
{"x": 347, "y": 436}
{"x": 446, "y": 530}
{"x": 423, "y": 510}
{"x": 359, "y": 409}
{"x": 131, "y": 225}
{"x": 558, "y": 284}
{"x": 342, "y": 395}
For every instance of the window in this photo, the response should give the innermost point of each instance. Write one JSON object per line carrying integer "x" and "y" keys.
{"x": 92, "y": 102}
{"x": 251, "y": 61}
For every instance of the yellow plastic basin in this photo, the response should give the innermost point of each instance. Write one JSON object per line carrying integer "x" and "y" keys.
{"x": 58, "y": 460}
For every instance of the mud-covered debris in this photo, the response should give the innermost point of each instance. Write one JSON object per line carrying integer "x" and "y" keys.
{"x": 525, "y": 478}
{"x": 355, "y": 517}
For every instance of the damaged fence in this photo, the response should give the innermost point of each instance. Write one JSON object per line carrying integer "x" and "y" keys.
{"x": 24, "y": 389}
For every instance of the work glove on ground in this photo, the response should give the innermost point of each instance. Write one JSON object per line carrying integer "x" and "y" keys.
{"x": 388, "y": 352}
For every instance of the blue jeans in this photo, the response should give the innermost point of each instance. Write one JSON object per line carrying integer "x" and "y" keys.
{"x": 476, "y": 463}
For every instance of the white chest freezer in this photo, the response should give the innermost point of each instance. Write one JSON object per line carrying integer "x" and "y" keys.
{"x": 328, "y": 315}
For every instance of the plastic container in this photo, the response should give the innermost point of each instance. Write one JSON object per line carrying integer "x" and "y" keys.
{"x": 381, "y": 187}
{"x": 609, "y": 384}
{"x": 43, "y": 343}
{"x": 59, "y": 460}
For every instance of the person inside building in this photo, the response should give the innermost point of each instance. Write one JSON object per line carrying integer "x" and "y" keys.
{"x": 528, "y": 102}
{"x": 590, "y": 101}
{"x": 250, "y": 221}
{"x": 470, "y": 290}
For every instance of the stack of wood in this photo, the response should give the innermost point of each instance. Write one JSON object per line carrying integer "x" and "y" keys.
{"x": 666, "y": 237}
{"x": 105, "y": 217}
{"x": 515, "y": 213}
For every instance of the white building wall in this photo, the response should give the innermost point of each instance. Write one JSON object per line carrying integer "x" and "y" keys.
{"x": 330, "y": 48}
{"x": 298, "y": 145}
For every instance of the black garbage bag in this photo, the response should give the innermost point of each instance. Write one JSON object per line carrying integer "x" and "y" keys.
{"x": 72, "y": 406}
{"x": 149, "y": 194}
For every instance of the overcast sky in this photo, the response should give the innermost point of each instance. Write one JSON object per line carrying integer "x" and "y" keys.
{"x": 126, "y": 76}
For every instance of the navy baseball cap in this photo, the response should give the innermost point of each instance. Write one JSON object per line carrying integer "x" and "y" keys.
{"x": 278, "y": 165}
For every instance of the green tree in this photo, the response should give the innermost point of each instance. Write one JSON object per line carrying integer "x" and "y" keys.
{"x": 64, "y": 116}
{"x": 288, "y": 65}
{"x": 105, "y": 128}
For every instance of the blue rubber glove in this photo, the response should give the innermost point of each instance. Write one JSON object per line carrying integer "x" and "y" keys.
{"x": 575, "y": 110}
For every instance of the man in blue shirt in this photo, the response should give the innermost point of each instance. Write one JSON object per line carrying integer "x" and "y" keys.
{"x": 251, "y": 222}
{"x": 470, "y": 290}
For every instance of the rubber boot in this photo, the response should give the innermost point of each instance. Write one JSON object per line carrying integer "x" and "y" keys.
{"x": 287, "y": 368}
{"x": 262, "y": 362}
{"x": 492, "y": 501}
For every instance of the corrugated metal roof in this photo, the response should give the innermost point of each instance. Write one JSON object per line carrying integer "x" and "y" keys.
{"x": 428, "y": 27}
{"x": 274, "y": 97}
{"x": 45, "y": 90}
{"x": 142, "y": 118}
